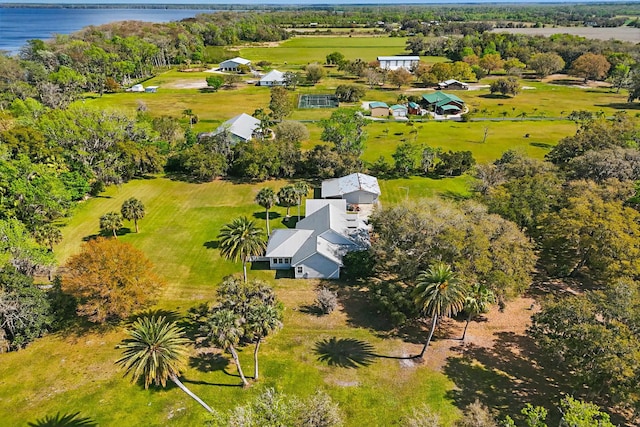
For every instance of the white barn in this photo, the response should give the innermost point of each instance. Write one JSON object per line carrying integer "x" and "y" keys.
{"x": 272, "y": 78}
{"x": 395, "y": 62}
{"x": 233, "y": 64}
{"x": 357, "y": 188}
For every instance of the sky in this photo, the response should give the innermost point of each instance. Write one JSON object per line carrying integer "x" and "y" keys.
{"x": 293, "y": 2}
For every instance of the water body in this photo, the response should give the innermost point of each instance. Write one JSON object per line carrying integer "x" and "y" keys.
{"x": 19, "y": 25}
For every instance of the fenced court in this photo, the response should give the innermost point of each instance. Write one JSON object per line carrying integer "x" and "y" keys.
{"x": 318, "y": 101}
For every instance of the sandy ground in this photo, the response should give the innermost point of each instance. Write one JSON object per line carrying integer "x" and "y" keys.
{"x": 628, "y": 34}
{"x": 482, "y": 332}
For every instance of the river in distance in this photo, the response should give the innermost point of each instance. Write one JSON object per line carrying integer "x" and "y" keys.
{"x": 19, "y": 25}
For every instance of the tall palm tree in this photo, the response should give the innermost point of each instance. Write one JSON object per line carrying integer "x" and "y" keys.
{"x": 133, "y": 209}
{"x": 477, "y": 301}
{"x": 157, "y": 351}
{"x": 111, "y": 221}
{"x": 301, "y": 189}
{"x": 438, "y": 292}
{"x": 287, "y": 197}
{"x": 224, "y": 329}
{"x": 262, "y": 320}
{"x": 266, "y": 198}
{"x": 241, "y": 239}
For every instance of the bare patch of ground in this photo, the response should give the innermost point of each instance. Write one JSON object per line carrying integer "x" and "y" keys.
{"x": 565, "y": 80}
{"x": 186, "y": 84}
{"x": 628, "y": 34}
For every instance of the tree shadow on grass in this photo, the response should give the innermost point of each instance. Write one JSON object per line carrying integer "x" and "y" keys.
{"x": 63, "y": 420}
{"x": 349, "y": 353}
{"x": 494, "y": 96}
{"x": 622, "y": 105}
{"x": 541, "y": 145}
{"x": 313, "y": 310}
{"x": 505, "y": 377}
{"x": 263, "y": 215}
{"x": 212, "y": 244}
{"x": 345, "y": 352}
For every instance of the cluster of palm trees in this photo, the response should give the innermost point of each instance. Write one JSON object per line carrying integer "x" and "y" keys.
{"x": 132, "y": 210}
{"x": 157, "y": 349}
{"x": 288, "y": 196}
{"x": 439, "y": 292}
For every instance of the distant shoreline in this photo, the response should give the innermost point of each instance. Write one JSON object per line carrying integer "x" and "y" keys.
{"x": 285, "y": 6}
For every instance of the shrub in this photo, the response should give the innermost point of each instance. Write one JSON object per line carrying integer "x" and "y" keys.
{"x": 326, "y": 300}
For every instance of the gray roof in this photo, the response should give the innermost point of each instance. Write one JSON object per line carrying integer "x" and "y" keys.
{"x": 236, "y": 60}
{"x": 348, "y": 184}
{"x": 273, "y": 76}
{"x": 312, "y": 205}
{"x": 285, "y": 242}
{"x": 328, "y": 231}
{"x": 242, "y": 125}
{"x": 399, "y": 58}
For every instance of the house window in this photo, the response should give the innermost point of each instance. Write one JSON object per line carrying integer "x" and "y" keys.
{"x": 279, "y": 260}
{"x": 299, "y": 270}
{"x": 287, "y": 260}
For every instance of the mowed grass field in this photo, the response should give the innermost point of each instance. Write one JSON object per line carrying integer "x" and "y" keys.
{"x": 74, "y": 371}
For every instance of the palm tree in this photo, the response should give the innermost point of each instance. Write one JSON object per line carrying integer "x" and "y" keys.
{"x": 261, "y": 321}
{"x": 266, "y": 198}
{"x": 241, "y": 239}
{"x": 111, "y": 221}
{"x": 133, "y": 209}
{"x": 477, "y": 301}
{"x": 225, "y": 331}
{"x": 301, "y": 189}
{"x": 157, "y": 351}
{"x": 287, "y": 197}
{"x": 438, "y": 292}
{"x": 48, "y": 235}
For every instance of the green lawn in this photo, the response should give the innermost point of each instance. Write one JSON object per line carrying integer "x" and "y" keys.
{"x": 76, "y": 372}
{"x": 304, "y": 50}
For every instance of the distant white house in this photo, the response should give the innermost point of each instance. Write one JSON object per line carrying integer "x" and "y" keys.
{"x": 272, "y": 78}
{"x": 136, "y": 88}
{"x": 233, "y": 64}
{"x": 395, "y": 62}
{"x": 453, "y": 84}
{"x": 357, "y": 188}
{"x": 241, "y": 128}
{"x": 314, "y": 249}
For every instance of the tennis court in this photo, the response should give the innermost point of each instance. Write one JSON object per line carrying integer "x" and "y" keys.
{"x": 318, "y": 101}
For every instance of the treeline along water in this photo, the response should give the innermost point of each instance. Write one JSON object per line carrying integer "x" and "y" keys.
{"x": 17, "y": 25}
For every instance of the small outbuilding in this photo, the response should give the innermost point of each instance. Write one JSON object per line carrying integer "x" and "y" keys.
{"x": 413, "y": 108}
{"x": 151, "y": 89}
{"x": 357, "y": 188}
{"x": 233, "y": 64}
{"x": 379, "y": 109}
{"x": 272, "y": 78}
{"x": 453, "y": 84}
{"x": 136, "y": 88}
{"x": 399, "y": 110}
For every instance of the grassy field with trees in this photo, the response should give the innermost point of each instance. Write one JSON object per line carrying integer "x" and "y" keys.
{"x": 504, "y": 254}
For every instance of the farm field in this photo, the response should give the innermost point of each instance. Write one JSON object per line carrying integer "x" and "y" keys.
{"x": 628, "y": 34}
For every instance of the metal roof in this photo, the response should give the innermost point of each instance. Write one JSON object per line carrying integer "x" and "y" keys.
{"x": 440, "y": 96}
{"x": 377, "y": 104}
{"x": 398, "y": 107}
{"x": 348, "y": 184}
{"x": 398, "y": 58}
{"x": 242, "y": 125}
{"x": 285, "y": 242}
{"x": 273, "y": 76}
{"x": 237, "y": 60}
{"x": 312, "y": 205}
